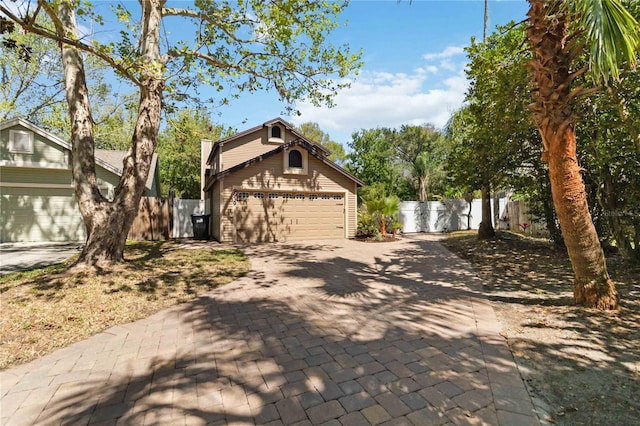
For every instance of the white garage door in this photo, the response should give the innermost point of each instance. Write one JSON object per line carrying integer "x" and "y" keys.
{"x": 280, "y": 216}
{"x": 40, "y": 214}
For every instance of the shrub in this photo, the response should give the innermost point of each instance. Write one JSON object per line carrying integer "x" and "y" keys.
{"x": 367, "y": 224}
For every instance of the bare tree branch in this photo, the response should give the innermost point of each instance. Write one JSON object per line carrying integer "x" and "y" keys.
{"x": 29, "y": 24}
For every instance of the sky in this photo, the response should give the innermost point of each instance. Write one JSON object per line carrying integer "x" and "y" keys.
{"x": 413, "y": 69}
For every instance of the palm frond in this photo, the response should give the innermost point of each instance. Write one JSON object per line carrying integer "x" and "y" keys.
{"x": 613, "y": 35}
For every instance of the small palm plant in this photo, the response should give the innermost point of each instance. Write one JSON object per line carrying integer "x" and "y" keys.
{"x": 383, "y": 208}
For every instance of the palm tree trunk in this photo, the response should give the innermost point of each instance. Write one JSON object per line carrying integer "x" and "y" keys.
{"x": 422, "y": 190}
{"x": 486, "y": 21}
{"x": 592, "y": 286}
{"x": 555, "y": 118}
{"x": 383, "y": 226}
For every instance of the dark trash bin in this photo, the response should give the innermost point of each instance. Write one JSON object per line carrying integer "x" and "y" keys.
{"x": 200, "y": 224}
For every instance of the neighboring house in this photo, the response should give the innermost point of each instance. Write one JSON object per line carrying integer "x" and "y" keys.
{"x": 37, "y": 197}
{"x": 270, "y": 183}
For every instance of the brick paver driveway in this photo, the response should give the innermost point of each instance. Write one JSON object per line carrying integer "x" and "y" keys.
{"x": 324, "y": 332}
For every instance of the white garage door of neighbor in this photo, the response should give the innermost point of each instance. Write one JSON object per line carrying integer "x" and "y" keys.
{"x": 40, "y": 214}
{"x": 276, "y": 216}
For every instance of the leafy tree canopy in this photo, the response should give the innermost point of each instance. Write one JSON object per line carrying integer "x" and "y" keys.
{"x": 407, "y": 162}
{"x": 179, "y": 151}
{"x": 313, "y": 132}
{"x": 231, "y": 46}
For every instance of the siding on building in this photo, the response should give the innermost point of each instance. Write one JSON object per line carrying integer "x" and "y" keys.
{"x": 40, "y": 214}
{"x": 268, "y": 175}
{"x": 45, "y": 152}
{"x": 37, "y": 199}
{"x": 39, "y": 204}
{"x": 216, "y": 210}
{"x": 249, "y": 146}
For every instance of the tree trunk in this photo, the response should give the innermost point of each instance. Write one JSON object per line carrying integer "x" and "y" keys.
{"x": 468, "y": 197}
{"x": 548, "y": 211}
{"x": 592, "y": 286}
{"x": 383, "y": 225}
{"x": 555, "y": 119}
{"x": 609, "y": 202}
{"x": 550, "y": 221}
{"x": 486, "y": 231}
{"x": 108, "y": 222}
{"x": 486, "y": 21}
{"x": 422, "y": 191}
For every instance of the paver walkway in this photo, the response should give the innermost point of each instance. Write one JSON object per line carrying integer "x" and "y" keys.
{"x": 324, "y": 332}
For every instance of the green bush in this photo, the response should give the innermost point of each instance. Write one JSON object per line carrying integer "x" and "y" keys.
{"x": 367, "y": 224}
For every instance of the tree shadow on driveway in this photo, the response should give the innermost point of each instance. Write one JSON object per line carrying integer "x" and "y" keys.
{"x": 330, "y": 336}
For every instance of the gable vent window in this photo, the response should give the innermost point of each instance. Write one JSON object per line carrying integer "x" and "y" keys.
{"x": 295, "y": 159}
{"x": 21, "y": 141}
{"x": 275, "y": 135}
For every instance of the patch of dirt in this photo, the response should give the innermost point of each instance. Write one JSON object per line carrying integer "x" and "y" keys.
{"x": 582, "y": 366}
{"x": 45, "y": 309}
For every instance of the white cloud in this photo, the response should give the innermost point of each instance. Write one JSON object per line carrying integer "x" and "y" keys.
{"x": 448, "y": 52}
{"x": 383, "y": 99}
{"x": 379, "y": 99}
{"x": 428, "y": 69}
{"x": 448, "y": 65}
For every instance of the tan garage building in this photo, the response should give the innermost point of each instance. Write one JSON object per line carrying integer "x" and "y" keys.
{"x": 270, "y": 183}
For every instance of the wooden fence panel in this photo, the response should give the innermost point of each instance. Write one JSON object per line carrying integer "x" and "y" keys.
{"x": 153, "y": 221}
{"x": 518, "y": 212}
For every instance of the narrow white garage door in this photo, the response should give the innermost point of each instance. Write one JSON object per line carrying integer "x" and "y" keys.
{"x": 281, "y": 216}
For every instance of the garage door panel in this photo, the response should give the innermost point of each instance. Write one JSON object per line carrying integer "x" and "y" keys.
{"x": 37, "y": 214}
{"x": 254, "y": 220}
{"x": 263, "y": 216}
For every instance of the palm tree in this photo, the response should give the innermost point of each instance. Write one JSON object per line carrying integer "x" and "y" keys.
{"x": 558, "y": 32}
{"x": 428, "y": 168}
{"x": 384, "y": 208}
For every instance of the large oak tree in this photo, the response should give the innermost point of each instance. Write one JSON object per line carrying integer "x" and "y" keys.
{"x": 233, "y": 47}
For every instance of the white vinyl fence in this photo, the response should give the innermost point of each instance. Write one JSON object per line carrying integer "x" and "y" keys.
{"x": 182, "y": 211}
{"x": 452, "y": 215}
{"x": 443, "y": 216}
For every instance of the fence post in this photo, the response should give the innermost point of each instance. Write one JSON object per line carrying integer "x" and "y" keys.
{"x": 172, "y": 198}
